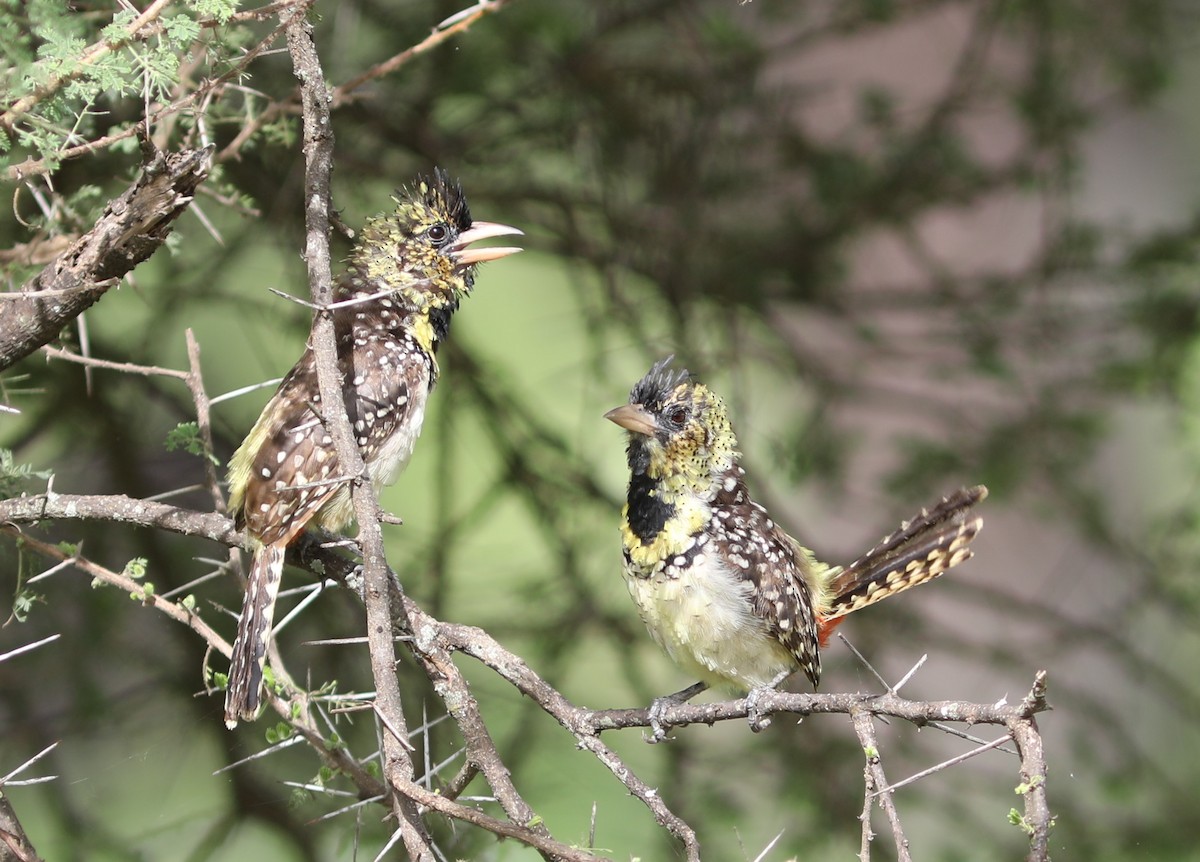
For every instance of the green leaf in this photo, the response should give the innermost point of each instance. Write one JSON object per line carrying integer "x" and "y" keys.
{"x": 118, "y": 31}
{"x": 186, "y": 436}
{"x": 219, "y": 10}
{"x": 1016, "y": 818}
{"x": 23, "y": 603}
{"x": 1025, "y": 786}
{"x": 181, "y": 29}
{"x": 136, "y": 569}
{"x": 279, "y": 732}
{"x": 13, "y": 476}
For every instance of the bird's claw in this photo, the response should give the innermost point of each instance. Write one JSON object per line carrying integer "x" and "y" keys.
{"x": 754, "y": 716}
{"x": 658, "y": 733}
{"x": 658, "y": 727}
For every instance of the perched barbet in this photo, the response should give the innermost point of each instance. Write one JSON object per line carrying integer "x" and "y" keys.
{"x": 404, "y": 279}
{"x": 730, "y": 596}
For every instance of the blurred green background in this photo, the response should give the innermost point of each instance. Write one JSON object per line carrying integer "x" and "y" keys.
{"x": 913, "y": 244}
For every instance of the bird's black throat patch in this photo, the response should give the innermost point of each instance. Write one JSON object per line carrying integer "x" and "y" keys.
{"x": 648, "y": 514}
{"x": 439, "y": 319}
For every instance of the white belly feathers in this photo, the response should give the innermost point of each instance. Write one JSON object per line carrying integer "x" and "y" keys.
{"x": 702, "y": 616}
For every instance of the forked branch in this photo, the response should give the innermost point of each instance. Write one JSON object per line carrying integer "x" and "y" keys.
{"x": 433, "y": 642}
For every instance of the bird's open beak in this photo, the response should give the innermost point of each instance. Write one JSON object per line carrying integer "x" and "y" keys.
{"x": 464, "y": 256}
{"x": 633, "y": 417}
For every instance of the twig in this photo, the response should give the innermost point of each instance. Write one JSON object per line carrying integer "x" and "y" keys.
{"x": 451, "y": 686}
{"x": 12, "y": 835}
{"x": 459, "y": 23}
{"x": 195, "y": 383}
{"x": 344, "y": 93}
{"x": 945, "y": 764}
{"x": 318, "y": 166}
{"x": 123, "y": 367}
{"x": 1037, "y": 820}
{"x": 119, "y": 509}
{"x": 803, "y": 703}
{"x": 548, "y": 846}
{"x": 28, "y": 647}
{"x": 124, "y": 582}
{"x": 875, "y": 779}
{"x": 89, "y": 57}
{"x": 432, "y": 638}
{"x": 132, "y": 227}
{"x": 479, "y": 644}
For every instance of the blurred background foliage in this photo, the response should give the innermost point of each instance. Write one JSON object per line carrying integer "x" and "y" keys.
{"x": 915, "y": 244}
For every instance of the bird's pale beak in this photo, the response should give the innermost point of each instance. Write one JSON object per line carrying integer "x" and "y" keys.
{"x": 633, "y": 417}
{"x": 464, "y": 256}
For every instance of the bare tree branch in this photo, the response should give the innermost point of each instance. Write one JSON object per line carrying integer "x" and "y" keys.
{"x": 120, "y": 509}
{"x": 318, "y": 165}
{"x": 459, "y": 23}
{"x": 433, "y": 641}
{"x": 14, "y": 843}
{"x": 83, "y": 63}
{"x": 346, "y": 93}
{"x": 876, "y": 786}
{"x": 131, "y": 229}
{"x": 1037, "y": 820}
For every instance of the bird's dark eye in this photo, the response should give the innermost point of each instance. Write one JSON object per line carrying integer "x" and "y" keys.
{"x": 679, "y": 416}
{"x": 438, "y": 234}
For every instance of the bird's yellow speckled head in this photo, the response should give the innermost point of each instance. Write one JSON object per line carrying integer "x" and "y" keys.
{"x": 679, "y": 433}
{"x": 418, "y": 253}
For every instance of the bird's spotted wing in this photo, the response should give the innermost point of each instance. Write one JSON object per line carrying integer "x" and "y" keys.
{"x": 391, "y": 374}
{"x": 756, "y": 548}
{"x": 297, "y": 473}
{"x": 289, "y": 477}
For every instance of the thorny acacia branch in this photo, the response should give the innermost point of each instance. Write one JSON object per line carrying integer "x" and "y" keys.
{"x": 433, "y": 641}
{"x": 14, "y": 843}
{"x": 397, "y": 763}
{"x": 32, "y": 166}
{"x": 382, "y": 594}
{"x": 131, "y": 229}
{"x": 346, "y": 93}
{"x": 295, "y": 710}
{"x": 876, "y": 788}
{"x": 89, "y": 57}
{"x": 449, "y": 28}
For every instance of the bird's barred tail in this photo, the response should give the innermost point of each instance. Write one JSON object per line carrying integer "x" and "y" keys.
{"x": 923, "y": 548}
{"x": 242, "y": 697}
